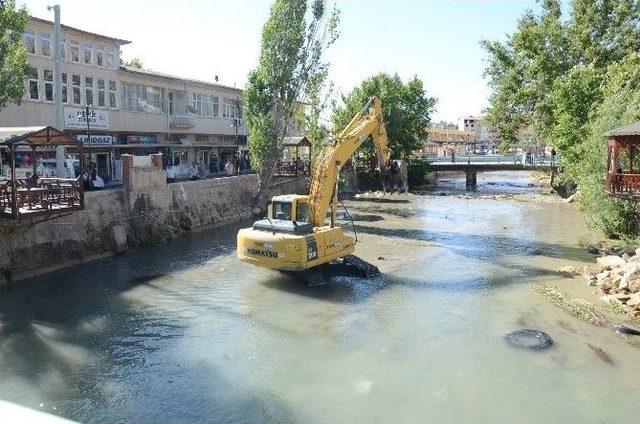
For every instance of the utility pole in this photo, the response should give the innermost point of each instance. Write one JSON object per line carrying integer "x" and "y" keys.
{"x": 57, "y": 86}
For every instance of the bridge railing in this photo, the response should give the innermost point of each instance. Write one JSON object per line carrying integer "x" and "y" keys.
{"x": 494, "y": 159}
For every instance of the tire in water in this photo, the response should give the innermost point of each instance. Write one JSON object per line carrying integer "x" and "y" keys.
{"x": 623, "y": 329}
{"x": 529, "y": 339}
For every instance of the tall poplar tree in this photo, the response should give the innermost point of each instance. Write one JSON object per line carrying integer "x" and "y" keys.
{"x": 294, "y": 39}
{"x": 13, "y": 56}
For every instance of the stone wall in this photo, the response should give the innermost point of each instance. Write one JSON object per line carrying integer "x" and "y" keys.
{"x": 117, "y": 219}
{"x": 146, "y": 211}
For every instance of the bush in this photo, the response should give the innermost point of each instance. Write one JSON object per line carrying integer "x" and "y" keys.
{"x": 417, "y": 169}
{"x": 369, "y": 180}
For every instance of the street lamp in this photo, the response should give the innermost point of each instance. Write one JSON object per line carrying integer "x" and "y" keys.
{"x": 236, "y": 124}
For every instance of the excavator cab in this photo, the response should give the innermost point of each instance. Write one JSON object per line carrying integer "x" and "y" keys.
{"x": 289, "y": 207}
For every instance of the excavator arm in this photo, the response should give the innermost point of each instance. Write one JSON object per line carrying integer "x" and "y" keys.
{"x": 367, "y": 123}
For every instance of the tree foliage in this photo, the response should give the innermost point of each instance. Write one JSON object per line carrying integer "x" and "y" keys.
{"x": 406, "y": 106}
{"x": 135, "y": 63}
{"x": 294, "y": 39}
{"x": 571, "y": 79}
{"x": 13, "y": 56}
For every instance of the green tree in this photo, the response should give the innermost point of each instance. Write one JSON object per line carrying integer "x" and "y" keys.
{"x": 13, "y": 56}
{"x": 406, "y": 106}
{"x": 571, "y": 80}
{"x": 523, "y": 70}
{"x": 134, "y": 63}
{"x": 312, "y": 116}
{"x": 620, "y": 106}
{"x": 294, "y": 39}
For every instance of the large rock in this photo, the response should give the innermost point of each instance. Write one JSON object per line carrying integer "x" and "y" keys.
{"x": 631, "y": 273}
{"x": 568, "y": 271}
{"x": 611, "y": 261}
{"x": 592, "y": 270}
{"x": 634, "y": 300}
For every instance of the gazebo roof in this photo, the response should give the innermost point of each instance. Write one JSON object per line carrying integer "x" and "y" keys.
{"x": 36, "y": 136}
{"x": 625, "y": 131}
{"x": 296, "y": 141}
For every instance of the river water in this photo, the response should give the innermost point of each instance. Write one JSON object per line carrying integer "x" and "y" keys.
{"x": 186, "y": 333}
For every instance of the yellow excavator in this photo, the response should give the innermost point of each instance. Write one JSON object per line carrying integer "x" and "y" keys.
{"x": 294, "y": 236}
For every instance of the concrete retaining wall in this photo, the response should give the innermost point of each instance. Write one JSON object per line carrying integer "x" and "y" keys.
{"x": 145, "y": 213}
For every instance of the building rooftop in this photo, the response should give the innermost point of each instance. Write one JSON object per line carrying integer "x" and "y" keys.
{"x": 627, "y": 130}
{"x": 148, "y": 72}
{"x": 118, "y": 41}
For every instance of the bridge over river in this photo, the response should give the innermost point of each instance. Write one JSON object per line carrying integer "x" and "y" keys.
{"x": 471, "y": 165}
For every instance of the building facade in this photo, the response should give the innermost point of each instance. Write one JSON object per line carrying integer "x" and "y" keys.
{"x": 131, "y": 110}
{"x": 444, "y": 140}
{"x": 486, "y": 138}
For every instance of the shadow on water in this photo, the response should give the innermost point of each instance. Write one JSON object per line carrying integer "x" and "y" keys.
{"x": 378, "y": 200}
{"x": 88, "y": 349}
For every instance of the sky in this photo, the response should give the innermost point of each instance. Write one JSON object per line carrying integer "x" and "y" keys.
{"x": 436, "y": 40}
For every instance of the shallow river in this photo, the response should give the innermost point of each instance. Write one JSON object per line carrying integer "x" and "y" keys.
{"x": 186, "y": 333}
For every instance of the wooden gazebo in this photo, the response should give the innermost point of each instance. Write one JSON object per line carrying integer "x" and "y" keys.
{"x": 295, "y": 166}
{"x": 34, "y": 195}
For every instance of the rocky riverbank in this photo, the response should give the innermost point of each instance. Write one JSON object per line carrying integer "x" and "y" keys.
{"x": 617, "y": 279}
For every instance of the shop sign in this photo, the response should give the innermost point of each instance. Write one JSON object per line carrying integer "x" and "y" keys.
{"x": 98, "y": 140}
{"x": 142, "y": 139}
{"x": 76, "y": 117}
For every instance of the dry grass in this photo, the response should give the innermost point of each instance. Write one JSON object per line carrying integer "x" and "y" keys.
{"x": 577, "y": 307}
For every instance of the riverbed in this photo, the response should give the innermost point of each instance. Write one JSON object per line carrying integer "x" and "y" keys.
{"x": 186, "y": 333}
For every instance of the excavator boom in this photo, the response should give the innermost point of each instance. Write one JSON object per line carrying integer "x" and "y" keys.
{"x": 367, "y": 123}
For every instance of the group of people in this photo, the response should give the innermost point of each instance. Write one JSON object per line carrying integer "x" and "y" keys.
{"x": 198, "y": 169}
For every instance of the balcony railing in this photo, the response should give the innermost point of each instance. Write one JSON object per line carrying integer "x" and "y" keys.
{"x": 624, "y": 185}
{"x": 180, "y": 121}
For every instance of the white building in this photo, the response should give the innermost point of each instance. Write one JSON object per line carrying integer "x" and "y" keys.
{"x": 485, "y": 137}
{"x": 133, "y": 110}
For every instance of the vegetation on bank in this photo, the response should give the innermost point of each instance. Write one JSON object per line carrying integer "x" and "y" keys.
{"x": 568, "y": 80}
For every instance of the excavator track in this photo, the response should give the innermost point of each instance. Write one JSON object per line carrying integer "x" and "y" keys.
{"x": 362, "y": 267}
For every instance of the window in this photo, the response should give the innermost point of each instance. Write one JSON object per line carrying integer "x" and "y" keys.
{"x": 303, "y": 214}
{"x": 231, "y": 108}
{"x": 205, "y": 104}
{"x": 30, "y": 41}
{"x": 112, "y": 94}
{"x": 99, "y": 55}
{"x": 65, "y": 87}
{"x": 88, "y": 91}
{"x": 203, "y": 156}
{"x": 110, "y": 57}
{"x": 143, "y": 98}
{"x": 48, "y": 85}
{"x": 75, "y": 83}
{"x": 33, "y": 84}
{"x": 282, "y": 210}
{"x": 178, "y": 158}
{"x": 86, "y": 53}
{"x": 75, "y": 51}
{"x": 45, "y": 44}
{"x": 101, "y": 97}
